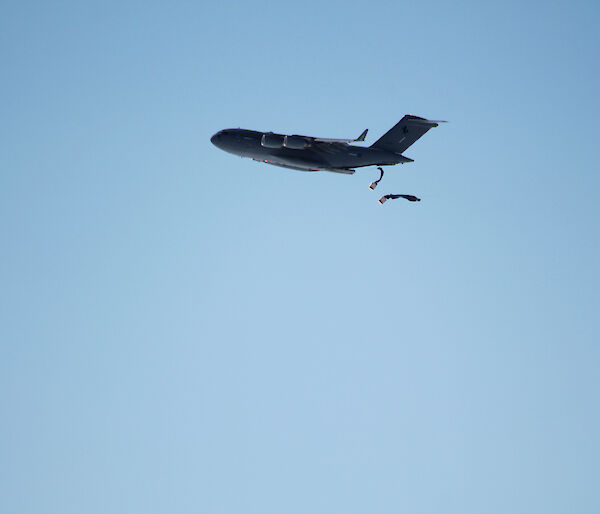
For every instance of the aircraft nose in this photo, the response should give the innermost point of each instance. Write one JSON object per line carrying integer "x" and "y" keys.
{"x": 215, "y": 138}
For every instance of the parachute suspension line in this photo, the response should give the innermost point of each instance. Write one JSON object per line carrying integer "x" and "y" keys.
{"x": 410, "y": 198}
{"x": 373, "y": 185}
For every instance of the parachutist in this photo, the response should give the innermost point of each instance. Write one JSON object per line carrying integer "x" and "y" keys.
{"x": 410, "y": 198}
{"x": 373, "y": 185}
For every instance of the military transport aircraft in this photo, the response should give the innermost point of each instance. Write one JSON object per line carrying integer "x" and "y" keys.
{"x": 309, "y": 153}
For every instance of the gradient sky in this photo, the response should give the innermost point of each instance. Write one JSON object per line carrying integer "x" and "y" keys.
{"x": 185, "y": 331}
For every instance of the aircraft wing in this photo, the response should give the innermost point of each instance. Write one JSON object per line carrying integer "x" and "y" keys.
{"x": 329, "y": 140}
{"x": 345, "y": 171}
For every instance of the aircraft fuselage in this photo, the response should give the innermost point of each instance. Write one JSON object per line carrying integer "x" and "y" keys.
{"x": 308, "y": 154}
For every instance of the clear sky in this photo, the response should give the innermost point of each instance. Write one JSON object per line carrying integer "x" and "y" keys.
{"x": 185, "y": 331}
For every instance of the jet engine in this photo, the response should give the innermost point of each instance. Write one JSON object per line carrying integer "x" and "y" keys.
{"x": 295, "y": 142}
{"x": 270, "y": 140}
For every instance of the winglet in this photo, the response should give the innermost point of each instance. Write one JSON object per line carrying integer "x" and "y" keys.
{"x": 362, "y": 136}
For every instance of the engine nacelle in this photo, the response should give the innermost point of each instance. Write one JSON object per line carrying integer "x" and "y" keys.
{"x": 270, "y": 140}
{"x": 295, "y": 142}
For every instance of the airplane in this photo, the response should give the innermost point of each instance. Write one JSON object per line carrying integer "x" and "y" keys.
{"x": 307, "y": 153}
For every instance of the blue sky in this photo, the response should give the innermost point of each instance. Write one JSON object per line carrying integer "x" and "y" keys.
{"x": 185, "y": 331}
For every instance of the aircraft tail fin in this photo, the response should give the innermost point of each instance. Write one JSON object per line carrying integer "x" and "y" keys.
{"x": 402, "y": 135}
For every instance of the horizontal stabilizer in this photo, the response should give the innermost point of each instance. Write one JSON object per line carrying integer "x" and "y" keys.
{"x": 428, "y": 123}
